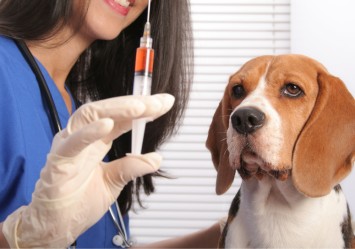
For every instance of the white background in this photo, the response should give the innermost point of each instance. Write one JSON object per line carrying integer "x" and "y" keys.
{"x": 325, "y": 31}
{"x": 227, "y": 34}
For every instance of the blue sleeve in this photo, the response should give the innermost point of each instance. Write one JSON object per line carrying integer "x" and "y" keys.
{"x": 12, "y": 149}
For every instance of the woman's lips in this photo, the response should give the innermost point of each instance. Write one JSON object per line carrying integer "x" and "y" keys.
{"x": 118, "y": 8}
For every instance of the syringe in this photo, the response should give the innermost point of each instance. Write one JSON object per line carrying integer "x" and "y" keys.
{"x": 142, "y": 82}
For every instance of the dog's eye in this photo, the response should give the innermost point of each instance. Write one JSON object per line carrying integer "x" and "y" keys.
{"x": 238, "y": 91}
{"x": 292, "y": 90}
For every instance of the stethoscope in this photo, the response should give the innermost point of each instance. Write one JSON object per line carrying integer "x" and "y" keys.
{"x": 121, "y": 238}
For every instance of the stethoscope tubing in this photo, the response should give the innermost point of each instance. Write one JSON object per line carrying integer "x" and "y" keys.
{"x": 123, "y": 233}
{"x": 121, "y": 220}
{"x": 42, "y": 84}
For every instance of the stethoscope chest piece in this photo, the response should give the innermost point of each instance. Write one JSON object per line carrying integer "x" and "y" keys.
{"x": 117, "y": 240}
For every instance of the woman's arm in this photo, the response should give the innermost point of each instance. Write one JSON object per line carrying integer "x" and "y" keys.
{"x": 66, "y": 187}
{"x": 3, "y": 241}
{"x": 205, "y": 238}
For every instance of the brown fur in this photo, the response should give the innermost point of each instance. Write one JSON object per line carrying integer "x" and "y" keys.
{"x": 218, "y": 147}
{"x": 325, "y": 151}
{"x": 294, "y": 113}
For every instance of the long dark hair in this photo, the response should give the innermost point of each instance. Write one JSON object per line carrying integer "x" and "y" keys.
{"x": 106, "y": 68}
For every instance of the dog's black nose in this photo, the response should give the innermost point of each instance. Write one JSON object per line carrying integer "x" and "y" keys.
{"x": 247, "y": 120}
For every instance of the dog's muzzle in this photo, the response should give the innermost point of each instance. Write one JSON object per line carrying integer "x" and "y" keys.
{"x": 247, "y": 120}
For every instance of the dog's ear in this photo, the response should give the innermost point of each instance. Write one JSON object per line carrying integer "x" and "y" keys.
{"x": 217, "y": 145}
{"x": 324, "y": 153}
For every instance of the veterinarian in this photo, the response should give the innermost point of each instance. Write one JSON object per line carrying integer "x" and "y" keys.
{"x": 55, "y": 189}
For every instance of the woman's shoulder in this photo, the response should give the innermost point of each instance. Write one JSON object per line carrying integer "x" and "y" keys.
{"x": 10, "y": 55}
{"x": 15, "y": 75}
{"x": 14, "y": 70}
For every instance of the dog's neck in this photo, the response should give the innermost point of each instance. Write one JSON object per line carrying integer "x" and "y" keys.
{"x": 275, "y": 214}
{"x": 270, "y": 191}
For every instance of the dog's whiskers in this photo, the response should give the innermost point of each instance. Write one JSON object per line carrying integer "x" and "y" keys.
{"x": 223, "y": 140}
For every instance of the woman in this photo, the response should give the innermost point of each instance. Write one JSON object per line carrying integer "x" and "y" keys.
{"x": 88, "y": 46}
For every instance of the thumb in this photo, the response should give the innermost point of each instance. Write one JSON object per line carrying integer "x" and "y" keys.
{"x": 119, "y": 172}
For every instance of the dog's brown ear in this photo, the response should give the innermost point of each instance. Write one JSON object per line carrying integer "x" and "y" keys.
{"x": 324, "y": 153}
{"x": 217, "y": 145}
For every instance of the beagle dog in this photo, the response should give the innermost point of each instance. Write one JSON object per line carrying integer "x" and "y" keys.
{"x": 288, "y": 127}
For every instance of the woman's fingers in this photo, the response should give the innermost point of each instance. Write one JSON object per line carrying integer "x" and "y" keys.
{"x": 167, "y": 101}
{"x": 123, "y": 126}
{"x": 80, "y": 139}
{"x": 121, "y": 171}
{"x": 109, "y": 119}
{"x": 121, "y": 110}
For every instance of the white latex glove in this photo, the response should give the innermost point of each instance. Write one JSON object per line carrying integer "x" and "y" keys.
{"x": 76, "y": 188}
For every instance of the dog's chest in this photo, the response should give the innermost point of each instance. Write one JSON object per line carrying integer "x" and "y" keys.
{"x": 266, "y": 220}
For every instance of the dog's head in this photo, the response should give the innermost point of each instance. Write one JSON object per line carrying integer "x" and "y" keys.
{"x": 284, "y": 116}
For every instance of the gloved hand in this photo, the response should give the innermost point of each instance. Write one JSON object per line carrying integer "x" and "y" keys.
{"x": 76, "y": 188}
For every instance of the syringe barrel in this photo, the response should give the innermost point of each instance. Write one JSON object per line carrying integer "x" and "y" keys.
{"x": 141, "y": 86}
{"x": 143, "y": 71}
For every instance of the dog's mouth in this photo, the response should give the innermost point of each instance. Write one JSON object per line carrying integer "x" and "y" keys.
{"x": 252, "y": 164}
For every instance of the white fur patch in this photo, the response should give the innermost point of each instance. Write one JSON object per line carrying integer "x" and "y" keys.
{"x": 273, "y": 214}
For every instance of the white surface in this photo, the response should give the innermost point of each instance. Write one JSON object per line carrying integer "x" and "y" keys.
{"x": 324, "y": 30}
{"x": 227, "y": 34}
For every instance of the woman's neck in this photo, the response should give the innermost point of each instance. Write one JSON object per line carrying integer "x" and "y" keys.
{"x": 59, "y": 59}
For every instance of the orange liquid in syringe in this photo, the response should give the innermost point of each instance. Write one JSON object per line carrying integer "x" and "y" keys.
{"x": 141, "y": 59}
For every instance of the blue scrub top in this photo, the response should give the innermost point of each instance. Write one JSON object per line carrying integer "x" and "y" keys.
{"x": 26, "y": 134}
